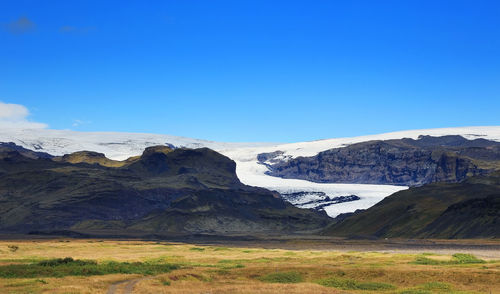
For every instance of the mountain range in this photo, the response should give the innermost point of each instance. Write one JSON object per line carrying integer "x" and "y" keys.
{"x": 161, "y": 192}
{"x": 101, "y": 183}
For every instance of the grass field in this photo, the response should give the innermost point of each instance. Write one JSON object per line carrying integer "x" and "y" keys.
{"x": 99, "y": 266}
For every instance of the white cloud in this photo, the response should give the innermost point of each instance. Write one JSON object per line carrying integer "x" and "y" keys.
{"x": 15, "y": 116}
{"x": 79, "y": 122}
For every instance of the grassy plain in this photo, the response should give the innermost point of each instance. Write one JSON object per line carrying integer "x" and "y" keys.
{"x": 98, "y": 266}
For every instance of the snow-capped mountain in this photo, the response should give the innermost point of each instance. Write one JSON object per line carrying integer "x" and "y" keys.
{"x": 250, "y": 170}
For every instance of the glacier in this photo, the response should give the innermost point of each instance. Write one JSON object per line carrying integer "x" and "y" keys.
{"x": 120, "y": 146}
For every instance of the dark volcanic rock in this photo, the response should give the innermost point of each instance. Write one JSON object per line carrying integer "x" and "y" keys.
{"x": 400, "y": 162}
{"x": 317, "y": 200}
{"x": 10, "y": 146}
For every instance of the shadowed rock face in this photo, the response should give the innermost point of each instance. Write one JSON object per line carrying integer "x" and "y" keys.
{"x": 11, "y": 147}
{"x": 400, "y": 162}
{"x": 161, "y": 192}
{"x": 469, "y": 209}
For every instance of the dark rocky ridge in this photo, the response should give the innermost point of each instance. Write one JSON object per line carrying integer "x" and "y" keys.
{"x": 400, "y": 162}
{"x": 161, "y": 192}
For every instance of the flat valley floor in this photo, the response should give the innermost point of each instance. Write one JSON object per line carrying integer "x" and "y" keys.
{"x": 278, "y": 265}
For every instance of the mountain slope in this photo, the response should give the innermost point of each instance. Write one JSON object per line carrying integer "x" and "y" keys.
{"x": 402, "y": 162}
{"x": 164, "y": 191}
{"x": 468, "y": 209}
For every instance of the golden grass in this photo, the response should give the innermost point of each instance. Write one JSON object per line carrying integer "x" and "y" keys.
{"x": 212, "y": 269}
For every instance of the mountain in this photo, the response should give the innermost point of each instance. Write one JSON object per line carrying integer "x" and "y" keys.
{"x": 163, "y": 191}
{"x": 250, "y": 170}
{"x": 404, "y": 161}
{"x": 469, "y": 209}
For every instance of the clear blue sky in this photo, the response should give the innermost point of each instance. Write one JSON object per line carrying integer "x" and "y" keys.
{"x": 252, "y": 70}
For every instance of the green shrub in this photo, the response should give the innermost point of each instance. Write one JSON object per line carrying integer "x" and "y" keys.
{"x": 348, "y": 284}
{"x": 426, "y": 261}
{"x": 197, "y": 249}
{"x": 457, "y": 258}
{"x": 229, "y": 264}
{"x": 462, "y": 258}
{"x": 61, "y": 267}
{"x": 284, "y": 277}
{"x": 221, "y": 248}
{"x": 67, "y": 260}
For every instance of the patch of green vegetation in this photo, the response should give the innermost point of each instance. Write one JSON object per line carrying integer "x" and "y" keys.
{"x": 269, "y": 259}
{"x": 164, "y": 281}
{"x": 41, "y": 281}
{"x": 197, "y": 249}
{"x": 221, "y": 249}
{"x": 463, "y": 258}
{"x": 230, "y": 264}
{"x": 348, "y": 284}
{"x": 427, "y": 261}
{"x": 221, "y": 272}
{"x": 68, "y": 266}
{"x": 66, "y": 261}
{"x": 283, "y": 277}
{"x": 457, "y": 258}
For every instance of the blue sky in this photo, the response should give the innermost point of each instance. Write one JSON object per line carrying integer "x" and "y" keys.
{"x": 252, "y": 70}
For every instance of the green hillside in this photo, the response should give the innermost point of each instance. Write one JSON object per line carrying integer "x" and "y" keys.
{"x": 469, "y": 209}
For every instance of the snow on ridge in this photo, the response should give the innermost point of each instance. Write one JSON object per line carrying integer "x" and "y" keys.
{"x": 312, "y": 148}
{"x": 115, "y": 145}
{"x": 120, "y": 145}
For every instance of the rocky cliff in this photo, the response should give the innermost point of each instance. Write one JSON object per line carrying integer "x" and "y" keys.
{"x": 401, "y": 162}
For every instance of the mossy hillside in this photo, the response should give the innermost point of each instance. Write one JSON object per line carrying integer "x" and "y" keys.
{"x": 468, "y": 209}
